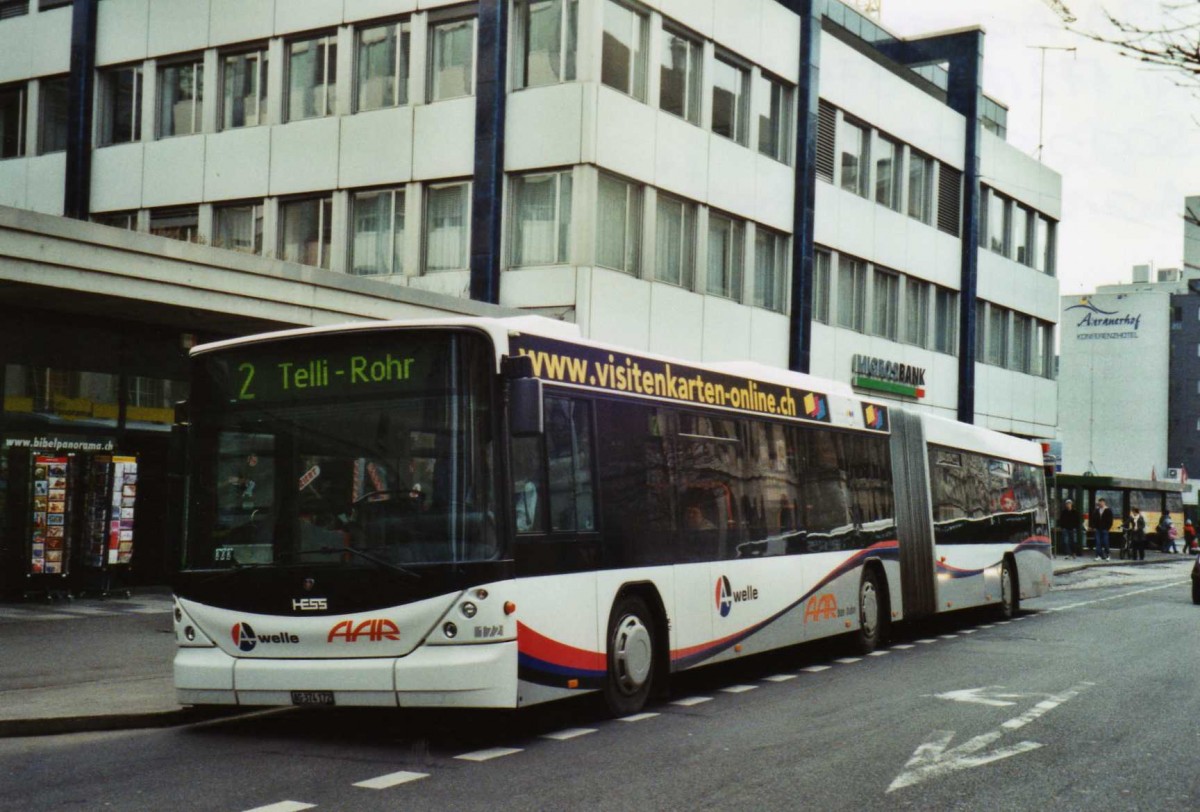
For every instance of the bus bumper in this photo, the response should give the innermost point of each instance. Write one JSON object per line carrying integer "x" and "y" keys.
{"x": 461, "y": 676}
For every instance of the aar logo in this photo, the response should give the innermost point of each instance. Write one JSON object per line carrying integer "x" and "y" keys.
{"x": 821, "y": 607}
{"x": 727, "y": 597}
{"x": 373, "y": 630}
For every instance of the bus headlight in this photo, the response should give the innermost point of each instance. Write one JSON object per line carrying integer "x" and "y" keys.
{"x": 469, "y": 609}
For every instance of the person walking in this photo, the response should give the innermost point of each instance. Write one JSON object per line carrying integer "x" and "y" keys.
{"x": 1102, "y": 522}
{"x": 1135, "y": 531}
{"x": 1167, "y": 534}
{"x": 1189, "y": 536}
{"x": 1069, "y": 525}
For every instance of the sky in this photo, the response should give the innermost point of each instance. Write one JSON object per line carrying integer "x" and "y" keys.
{"x": 1124, "y": 136}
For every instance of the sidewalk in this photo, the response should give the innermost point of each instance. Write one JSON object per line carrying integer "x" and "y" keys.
{"x": 91, "y": 664}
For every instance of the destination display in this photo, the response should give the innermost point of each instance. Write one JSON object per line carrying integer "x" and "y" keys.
{"x": 346, "y": 366}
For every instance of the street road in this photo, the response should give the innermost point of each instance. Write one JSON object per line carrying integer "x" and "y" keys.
{"x": 1087, "y": 701}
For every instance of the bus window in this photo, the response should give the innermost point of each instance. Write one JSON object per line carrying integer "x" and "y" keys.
{"x": 529, "y": 476}
{"x": 569, "y": 463}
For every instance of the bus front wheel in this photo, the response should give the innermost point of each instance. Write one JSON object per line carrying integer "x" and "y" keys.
{"x": 630, "y": 656}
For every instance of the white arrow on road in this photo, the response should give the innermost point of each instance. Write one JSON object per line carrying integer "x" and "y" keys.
{"x": 935, "y": 757}
{"x": 991, "y": 695}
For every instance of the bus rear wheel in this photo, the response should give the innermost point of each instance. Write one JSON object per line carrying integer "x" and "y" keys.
{"x": 631, "y": 656}
{"x": 873, "y": 613}
{"x": 1010, "y": 598}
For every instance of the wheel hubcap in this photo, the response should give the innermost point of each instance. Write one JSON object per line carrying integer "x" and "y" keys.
{"x": 632, "y": 654}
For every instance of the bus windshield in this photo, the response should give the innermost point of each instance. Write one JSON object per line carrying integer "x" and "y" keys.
{"x": 358, "y": 449}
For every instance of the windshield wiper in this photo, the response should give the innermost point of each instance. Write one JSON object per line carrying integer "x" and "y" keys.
{"x": 374, "y": 559}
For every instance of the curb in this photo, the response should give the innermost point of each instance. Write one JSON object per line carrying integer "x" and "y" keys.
{"x": 1117, "y": 562}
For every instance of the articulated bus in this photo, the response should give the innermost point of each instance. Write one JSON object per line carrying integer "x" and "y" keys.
{"x": 496, "y": 513}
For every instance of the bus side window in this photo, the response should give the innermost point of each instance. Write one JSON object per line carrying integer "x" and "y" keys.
{"x": 529, "y": 476}
{"x": 569, "y": 456}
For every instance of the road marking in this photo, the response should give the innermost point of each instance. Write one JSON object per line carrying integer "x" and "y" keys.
{"x": 932, "y": 759}
{"x": 967, "y": 631}
{"x": 903, "y": 646}
{"x": 637, "y": 717}
{"x": 813, "y": 669}
{"x": 283, "y": 806}
{"x": 569, "y": 733}
{"x": 882, "y": 653}
{"x": 988, "y": 626}
{"x": 989, "y": 695}
{"x": 947, "y": 636}
{"x": 848, "y": 660}
{"x": 738, "y": 689}
{"x": 692, "y": 700}
{"x": 1114, "y": 597}
{"x": 391, "y": 780}
{"x": 489, "y": 754}
{"x": 925, "y": 641}
{"x": 780, "y": 677}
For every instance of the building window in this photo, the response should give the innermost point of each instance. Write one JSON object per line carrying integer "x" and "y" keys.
{"x": 1042, "y": 362}
{"x": 377, "y": 239}
{"x": 997, "y": 335}
{"x": 826, "y": 140}
{"x": 920, "y": 186}
{"x": 996, "y": 236}
{"x": 451, "y": 59}
{"x": 619, "y": 228}
{"x": 180, "y": 97}
{"x": 773, "y": 101}
{"x": 770, "y": 268}
{"x": 1044, "y": 246}
{"x": 125, "y": 220}
{"x": 623, "y": 54}
{"x": 243, "y": 90}
{"x": 726, "y": 251}
{"x": 680, "y": 76}
{"x": 916, "y": 312}
{"x": 820, "y": 286}
{"x": 46, "y": 5}
{"x": 546, "y": 39}
{"x": 52, "y": 117}
{"x": 1021, "y": 234}
{"x": 852, "y": 294}
{"x": 949, "y": 200}
{"x": 179, "y": 223}
{"x": 12, "y": 121}
{"x": 886, "y": 304}
{"x": 381, "y": 66}
{"x": 239, "y": 227}
{"x": 120, "y": 106}
{"x": 1021, "y": 343}
{"x": 852, "y": 140}
{"x": 447, "y": 226}
{"x": 730, "y": 100}
{"x": 13, "y": 8}
{"x": 675, "y": 237}
{"x": 889, "y": 174}
{"x": 945, "y": 321}
{"x": 306, "y": 230}
{"x": 312, "y": 78}
{"x": 541, "y": 219}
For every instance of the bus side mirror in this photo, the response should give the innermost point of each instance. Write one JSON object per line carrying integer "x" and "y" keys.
{"x": 525, "y": 407}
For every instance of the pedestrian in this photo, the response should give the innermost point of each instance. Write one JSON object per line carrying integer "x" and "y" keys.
{"x": 1069, "y": 524}
{"x": 1189, "y": 536}
{"x": 1102, "y": 521}
{"x": 1165, "y": 538}
{"x": 1135, "y": 532}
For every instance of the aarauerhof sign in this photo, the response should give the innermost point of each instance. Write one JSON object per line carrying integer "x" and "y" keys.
{"x": 891, "y": 377}
{"x": 1095, "y": 324}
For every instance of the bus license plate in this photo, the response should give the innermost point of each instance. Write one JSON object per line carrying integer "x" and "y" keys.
{"x": 312, "y": 697}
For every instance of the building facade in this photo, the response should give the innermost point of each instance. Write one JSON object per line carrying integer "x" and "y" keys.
{"x": 780, "y": 181}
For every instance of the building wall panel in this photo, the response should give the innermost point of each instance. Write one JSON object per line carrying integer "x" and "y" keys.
{"x": 177, "y": 26}
{"x": 376, "y": 148}
{"x": 238, "y": 164}
{"x": 121, "y": 31}
{"x": 117, "y": 177}
{"x": 444, "y": 140}
{"x": 544, "y": 127}
{"x": 304, "y": 156}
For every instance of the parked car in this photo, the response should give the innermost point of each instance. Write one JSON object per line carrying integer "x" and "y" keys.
{"x": 1196, "y": 581}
